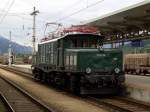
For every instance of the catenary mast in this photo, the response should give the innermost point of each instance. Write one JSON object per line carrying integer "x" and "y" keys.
{"x": 9, "y": 51}
{"x": 34, "y": 13}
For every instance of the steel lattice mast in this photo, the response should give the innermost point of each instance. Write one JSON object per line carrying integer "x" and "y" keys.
{"x": 34, "y": 13}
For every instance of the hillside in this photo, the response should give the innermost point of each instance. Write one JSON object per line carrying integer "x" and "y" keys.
{"x": 16, "y": 48}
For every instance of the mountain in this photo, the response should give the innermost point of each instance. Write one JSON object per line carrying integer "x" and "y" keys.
{"x": 16, "y": 48}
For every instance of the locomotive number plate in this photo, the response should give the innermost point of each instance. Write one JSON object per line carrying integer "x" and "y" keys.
{"x": 101, "y": 55}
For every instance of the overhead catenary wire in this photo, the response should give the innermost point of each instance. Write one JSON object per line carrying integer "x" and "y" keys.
{"x": 80, "y": 10}
{"x": 71, "y": 6}
{"x": 4, "y": 7}
{"x": 21, "y": 15}
{"x": 87, "y": 3}
{"x": 3, "y": 12}
{"x": 65, "y": 9}
{"x": 13, "y": 1}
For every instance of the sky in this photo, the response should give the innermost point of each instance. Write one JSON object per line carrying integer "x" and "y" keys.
{"x": 15, "y": 15}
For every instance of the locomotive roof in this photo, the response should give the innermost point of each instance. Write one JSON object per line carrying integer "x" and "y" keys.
{"x": 78, "y": 50}
{"x": 56, "y": 39}
{"x": 91, "y": 49}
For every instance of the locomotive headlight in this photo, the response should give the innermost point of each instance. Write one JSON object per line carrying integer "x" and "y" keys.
{"x": 88, "y": 70}
{"x": 32, "y": 67}
{"x": 121, "y": 78}
{"x": 117, "y": 70}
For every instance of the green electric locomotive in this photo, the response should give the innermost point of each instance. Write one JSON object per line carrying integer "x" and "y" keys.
{"x": 76, "y": 62}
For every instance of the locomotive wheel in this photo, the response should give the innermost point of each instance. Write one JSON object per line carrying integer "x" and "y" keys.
{"x": 137, "y": 71}
{"x": 45, "y": 77}
{"x": 36, "y": 76}
{"x": 49, "y": 78}
{"x": 145, "y": 72}
{"x": 75, "y": 85}
{"x": 40, "y": 76}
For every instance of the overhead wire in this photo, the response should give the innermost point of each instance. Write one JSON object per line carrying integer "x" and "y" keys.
{"x": 80, "y": 10}
{"x": 87, "y": 3}
{"x": 4, "y": 7}
{"x": 13, "y": 1}
{"x": 65, "y": 9}
{"x": 2, "y": 12}
{"x": 71, "y": 6}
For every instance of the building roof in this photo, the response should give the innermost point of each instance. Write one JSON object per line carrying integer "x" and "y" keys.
{"x": 128, "y": 19}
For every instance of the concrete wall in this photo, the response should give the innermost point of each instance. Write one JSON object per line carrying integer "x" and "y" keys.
{"x": 138, "y": 93}
{"x": 138, "y": 87}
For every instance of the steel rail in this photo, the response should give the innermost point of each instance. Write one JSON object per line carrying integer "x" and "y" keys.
{"x": 6, "y": 103}
{"x": 123, "y": 104}
{"x": 25, "y": 93}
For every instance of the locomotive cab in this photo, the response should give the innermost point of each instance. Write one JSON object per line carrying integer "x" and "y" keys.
{"x": 101, "y": 72}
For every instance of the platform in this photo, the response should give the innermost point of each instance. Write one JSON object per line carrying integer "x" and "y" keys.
{"x": 24, "y": 68}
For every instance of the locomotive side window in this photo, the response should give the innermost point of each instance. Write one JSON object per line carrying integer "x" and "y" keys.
{"x": 67, "y": 60}
{"x": 71, "y": 60}
{"x": 51, "y": 58}
{"x": 74, "y": 43}
{"x": 49, "y": 48}
{"x": 93, "y": 44}
{"x": 52, "y": 47}
{"x": 43, "y": 53}
{"x": 46, "y": 53}
{"x": 75, "y": 60}
{"x": 39, "y": 49}
{"x": 85, "y": 43}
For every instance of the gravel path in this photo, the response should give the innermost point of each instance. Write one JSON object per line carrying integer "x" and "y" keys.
{"x": 56, "y": 100}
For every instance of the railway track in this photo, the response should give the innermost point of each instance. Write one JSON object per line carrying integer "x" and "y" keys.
{"x": 25, "y": 74}
{"x": 8, "y": 107}
{"x": 119, "y": 104}
{"x": 123, "y": 104}
{"x": 18, "y": 100}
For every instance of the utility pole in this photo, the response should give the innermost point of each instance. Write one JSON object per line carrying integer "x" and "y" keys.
{"x": 9, "y": 51}
{"x": 34, "y": 13}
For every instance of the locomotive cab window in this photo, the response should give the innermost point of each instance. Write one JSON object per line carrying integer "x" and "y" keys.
{"x": 86, "y": 41}
{"x": 71, "y": 60}
{"x": 67, "y": 60}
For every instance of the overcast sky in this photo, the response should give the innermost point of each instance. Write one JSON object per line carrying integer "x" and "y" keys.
{"x": 15, "y": 14}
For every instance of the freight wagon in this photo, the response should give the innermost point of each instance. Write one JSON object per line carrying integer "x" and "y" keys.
{"x": 137, "y": 63}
